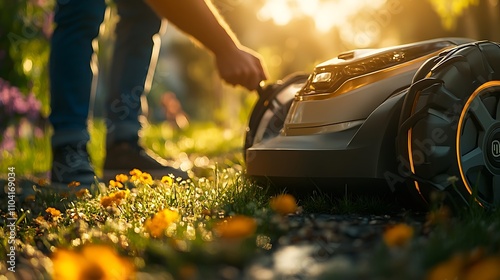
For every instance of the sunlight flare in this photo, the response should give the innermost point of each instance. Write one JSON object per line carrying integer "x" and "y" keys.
{"x": 325, "y": 14}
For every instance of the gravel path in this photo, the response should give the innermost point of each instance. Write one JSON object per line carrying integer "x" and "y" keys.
{"x": 317, "y": 244}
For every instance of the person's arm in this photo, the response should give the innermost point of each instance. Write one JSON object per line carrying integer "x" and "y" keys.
{"x": 198, "y": 18}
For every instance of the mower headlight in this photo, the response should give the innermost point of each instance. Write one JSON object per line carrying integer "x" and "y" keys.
{"x": 325, "y": 77}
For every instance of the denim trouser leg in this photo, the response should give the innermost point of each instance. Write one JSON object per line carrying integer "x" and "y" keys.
{"x": 131, "y": 60}
{"x": 77, "y": 24}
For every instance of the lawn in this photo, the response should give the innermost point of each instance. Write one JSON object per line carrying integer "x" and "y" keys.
{"x": 216, "y": 225}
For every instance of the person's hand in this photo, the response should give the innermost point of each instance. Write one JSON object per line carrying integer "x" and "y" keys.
{"x": 241, "y": 66}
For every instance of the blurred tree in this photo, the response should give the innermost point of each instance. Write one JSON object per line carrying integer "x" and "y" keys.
{"x": 480, "y": 21}
{"x": 25, "y": 29}
{"x": 451, "y": 10}
{"x": 10, "y": 28}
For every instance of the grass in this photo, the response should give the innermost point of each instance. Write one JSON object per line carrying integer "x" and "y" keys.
{"x": 25, "y": 159}
{"x": 215, "y": 224}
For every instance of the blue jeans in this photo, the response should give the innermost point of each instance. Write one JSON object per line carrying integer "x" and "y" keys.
{"x": 77, "y": 24}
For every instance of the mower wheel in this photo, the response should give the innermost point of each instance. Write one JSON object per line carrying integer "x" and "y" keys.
{"x": 449, "y": 134}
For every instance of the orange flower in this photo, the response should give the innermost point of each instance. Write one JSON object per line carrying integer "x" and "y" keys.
{"x": 188, "y": 271}
{"x": 43, "y": 182}
{"x": 40, "y": 220}
{"x": 93, "y": 262}
{"x": 167, "y": 180}
{"x": 69, "y": 265}
{"x": 486, "y": 269}
{"x": 157, "y": 225}
{"x": 53, "y": 212}
{"x": 449, "y": 269}
{"x": 121, "y": 194}
{"x": 114, "y": 198}
{"x": 398, "y": 235}
{"x": 64, "y": 194}
{"x": 236, "y": 227}
{"x": 83, "y": 193}
{"x": 74, "y": 184}
{"x": 107, "y": 201}
{"x": 439, "y": 216}
{"x": 283, "y": 204}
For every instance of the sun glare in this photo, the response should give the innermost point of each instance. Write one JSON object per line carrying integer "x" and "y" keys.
{"x": 325, "y": 14}
{"x": 328, "y": 14}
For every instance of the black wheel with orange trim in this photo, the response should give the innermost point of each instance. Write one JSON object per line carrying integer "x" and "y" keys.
{"x": 449, "y": 134}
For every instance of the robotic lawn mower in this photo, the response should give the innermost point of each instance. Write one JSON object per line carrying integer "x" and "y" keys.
{"x": 409, "y": 119}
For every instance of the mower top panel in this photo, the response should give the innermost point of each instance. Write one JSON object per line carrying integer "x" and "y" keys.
{"x": 330, "y": 76}
{"x": 344, "y": 91}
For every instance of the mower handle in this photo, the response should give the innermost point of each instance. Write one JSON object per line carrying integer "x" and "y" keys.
{"x": 263, "y": 89}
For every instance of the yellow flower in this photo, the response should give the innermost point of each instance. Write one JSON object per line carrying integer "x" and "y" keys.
{"x": 236, "y": 227}
{"x": 167, "y": 180}
{"x": 122, "y": 178}
{"x": 64, "y": 194}
{"x": 121, "y": 194}
{"x": 439, "y": 216}
{"x": 115, "y": 184}
{"x": 449, "y": 269}
{"x": 53, "y": 212}
{"x": 69, "y": 265}
{"x": 283, "y": 204}
{"x": 93, "y": 262}
{"x": 146, "y": 178}
{"x": 114, "y": 198}
{"x": 112, "y": 264}
{"x": 157, "y": 225}
{"x": 486, "y": 269}
{"x": 43, "y": 182}
{"x": 135, "y": 172}
{"x": 74, "y": 184}
{"x": 188, "y": 271}
{"x": 142, "y": 177}
{"x": 398, "y": 235}
{"x": 107, "y": 201}
{"x": 83, "y": 193}
{"x": 40, "y": 220}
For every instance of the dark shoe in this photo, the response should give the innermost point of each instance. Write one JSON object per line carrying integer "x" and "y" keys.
{"x": 71, "y": 163}
{"x": 122, "y": 157}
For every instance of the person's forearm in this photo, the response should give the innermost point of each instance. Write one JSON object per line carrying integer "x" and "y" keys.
{"x": 199, "y": 19}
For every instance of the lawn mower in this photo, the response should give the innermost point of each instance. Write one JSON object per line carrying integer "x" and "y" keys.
{"x": 411, "y": 120}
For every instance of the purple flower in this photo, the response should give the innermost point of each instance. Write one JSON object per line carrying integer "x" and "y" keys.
{"x": 20, "y": 106}
{"x": 34, "y": 106}
{"x": 4, "y": 92}
{"x": 15, "y": 103}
